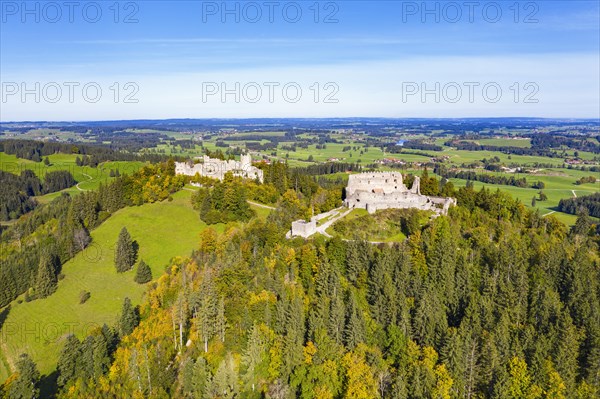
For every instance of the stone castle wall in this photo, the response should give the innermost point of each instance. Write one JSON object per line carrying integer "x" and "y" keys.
{"x": 388, "y": 182}
{"x": 386, "y": 190}
{"x": 301, "y": 228}
{"x": 217, "y": 168}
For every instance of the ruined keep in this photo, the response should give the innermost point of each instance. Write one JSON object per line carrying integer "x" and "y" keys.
{"x": 386, "y": 190}
{"x": 217, "y": 168}
{"x": 301, "y": 228}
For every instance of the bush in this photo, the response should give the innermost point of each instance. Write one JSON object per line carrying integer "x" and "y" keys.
{"x": 84, "y": 296}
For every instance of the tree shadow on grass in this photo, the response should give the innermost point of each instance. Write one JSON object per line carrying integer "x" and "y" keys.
{"x": 136, "y": 250}
{"x": 48, "y": 386}
{"x": 4, "y": 315}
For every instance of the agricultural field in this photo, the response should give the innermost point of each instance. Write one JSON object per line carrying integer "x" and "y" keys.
{"x": 39, "y": 327}
{"x": 44, "y": 134}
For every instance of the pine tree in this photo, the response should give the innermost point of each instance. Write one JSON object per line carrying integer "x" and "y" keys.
{"x": 129, "y": 318}
{"x": 206, "y": 310}
{"x": 125, "y": 254}
{"x": 201, "y": 378}
{"x": 354, "y": 332}
{"x": 253, "y": 357}
{"x": 85, "y": 367}
{"x": 225, "y": 381}
{"x": 583, "y": 223}
{"x": 46, "y": 280}
{"x": 100, "y": 357}
{"x": 68, "y": 360}
{"x": 25, "y": 385}
{"x": 357, "y": 262}
{"x": 143, "y": 273}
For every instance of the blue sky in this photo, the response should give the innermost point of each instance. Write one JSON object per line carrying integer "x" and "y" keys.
{"x": 338, "y": 58}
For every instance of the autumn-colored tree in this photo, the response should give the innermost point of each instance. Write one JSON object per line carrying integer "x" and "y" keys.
{"x": 25, "y": 384}
{"x": 359, "y": 381}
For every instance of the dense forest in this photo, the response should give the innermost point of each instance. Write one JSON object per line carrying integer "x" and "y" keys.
{"x": 125, "y": 151}
{"x": 16, "y": 191}
{"x": 492, "y": 301}
{"x": 591, "y": 203}
{"x": 482, "y": 177}
{"x": 580, "y": 143}
{"x": 471, "y": 146}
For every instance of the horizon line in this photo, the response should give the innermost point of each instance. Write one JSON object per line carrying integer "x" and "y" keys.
{"x": 562, "y": 118}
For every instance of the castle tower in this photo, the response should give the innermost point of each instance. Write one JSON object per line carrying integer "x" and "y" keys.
{"x": 416, "y": 186}
{"x": 245, "y": 160}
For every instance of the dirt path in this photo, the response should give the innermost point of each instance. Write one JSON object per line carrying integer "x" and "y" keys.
{"x": 89, "y": 179}
{"x": 260, "y": 205}
{"x": 321, "y": 229}
{"x": 574, "y": 194}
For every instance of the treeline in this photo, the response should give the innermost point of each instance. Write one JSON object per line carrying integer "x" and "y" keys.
{"x": 493, "y": 301}
{"x": 580, "y": 143}
{"x": 421, "y": 145}
{"x": 396, "y": 149}
{"x": 482, "y": 177}
{"x": 257, "y": 146}
{"x": 16, "y": 190}
{"x": 471, "y": 146}
{"x": 130, "y": 141}
{"x": 36, "y": 150}
{"x": 574, "y": 205}
{"x": 328, "y": 168}
{"x": 60, "y": 229}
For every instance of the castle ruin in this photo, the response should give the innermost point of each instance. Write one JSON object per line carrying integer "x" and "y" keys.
{"x": 302, "y": 228}
{"x": 217, "y": 168}
{"x": 386, "y": 190}
{"x": 374, "y": 191}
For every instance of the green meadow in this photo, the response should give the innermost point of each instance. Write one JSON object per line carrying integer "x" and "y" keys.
{"x": 162, "y": 230}
{"x": 88, "y": 178}
{"x": 557, "y": 188}
{"x": 383, "y": 226}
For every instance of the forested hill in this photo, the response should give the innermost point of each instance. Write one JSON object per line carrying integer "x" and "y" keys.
{"x": 492, "y": 301}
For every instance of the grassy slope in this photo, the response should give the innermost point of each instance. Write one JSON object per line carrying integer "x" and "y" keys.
{"x": 379, "y": 227}
{"x": 89, "y": 178}
{"x": 163, "y": 230}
